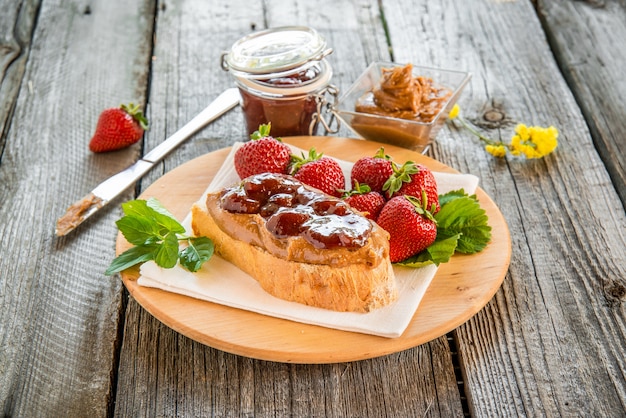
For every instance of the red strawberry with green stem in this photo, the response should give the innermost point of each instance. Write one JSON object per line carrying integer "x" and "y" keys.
{"x": 318, "y": 171}
{"x": 410, "y": 179}
{"x": 363, "y": 199}
{"x": 410, "y": 225}
{"x": 373, "y": 171}
{"x": 262, "y": 154}
{"x": 117, "y": 128}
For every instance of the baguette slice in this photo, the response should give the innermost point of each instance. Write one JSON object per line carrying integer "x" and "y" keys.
{"x": 339, "y": 279}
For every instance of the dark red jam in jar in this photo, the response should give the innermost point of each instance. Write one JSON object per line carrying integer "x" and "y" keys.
{"x": 279, "y": 73}
{"x": 290, "y": 209}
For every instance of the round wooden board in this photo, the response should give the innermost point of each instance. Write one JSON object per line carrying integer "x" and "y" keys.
{"x": 459, "y": 290}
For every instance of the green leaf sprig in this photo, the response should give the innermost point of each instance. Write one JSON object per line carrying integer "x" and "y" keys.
{"x": 156, "y": 235}
{"x": 461, "y": 227}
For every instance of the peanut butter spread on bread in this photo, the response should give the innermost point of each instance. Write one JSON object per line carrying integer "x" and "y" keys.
{"x": 299, "y": 244}
{"x": 297, "y": 223}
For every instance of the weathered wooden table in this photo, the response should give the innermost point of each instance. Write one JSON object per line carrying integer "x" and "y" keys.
{"x": 552, "y": 342}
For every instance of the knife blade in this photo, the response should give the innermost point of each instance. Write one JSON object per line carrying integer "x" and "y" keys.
{"x": 109, "y": 189}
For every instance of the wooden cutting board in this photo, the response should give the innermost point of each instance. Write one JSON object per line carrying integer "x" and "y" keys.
{"x": 459, "y": 290}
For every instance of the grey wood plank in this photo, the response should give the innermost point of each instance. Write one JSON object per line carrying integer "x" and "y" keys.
{"x": 59, "y": 314}
{"x": 552, "y": 342}
{"x": 588, "y": 42}
{"x": 15, "y": 37}
{"x": 169, "y": 374}
{"x": 162, "y": 373}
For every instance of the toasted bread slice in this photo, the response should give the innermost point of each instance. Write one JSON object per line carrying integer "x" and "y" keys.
{"x": 356, "y": 278}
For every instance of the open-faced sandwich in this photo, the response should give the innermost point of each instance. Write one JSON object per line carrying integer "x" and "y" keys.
{"x": 299, "y": 243}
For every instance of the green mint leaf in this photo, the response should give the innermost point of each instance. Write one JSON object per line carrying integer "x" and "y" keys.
{"x": 152, "y": 210}
{"x": 462, "y": 214}
{"x": 199, "y": 250}
{"x": 167, "y": 252}
{"x": 438, "y": 252}
{"x": 155, "y": 234}
{"x": 131, "y": 257}
{"x": 163, "y": 217}
{"x": 137, "y": 230}
{"x": 137, "y": 207}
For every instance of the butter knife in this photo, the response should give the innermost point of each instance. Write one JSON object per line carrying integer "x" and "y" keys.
{"x": 109, "y": 189}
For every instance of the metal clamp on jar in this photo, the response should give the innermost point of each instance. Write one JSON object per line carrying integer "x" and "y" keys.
{"x": 281, "y": 73}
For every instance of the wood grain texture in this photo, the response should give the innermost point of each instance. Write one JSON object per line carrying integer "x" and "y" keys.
{"x": 59, "y": 314}
{"x": 173, "y": 375}
{"x": 559, "y": 319}
{"x": 553, "y": 340}
{"x": 594, "y": 70}
{"x": 16, "y": 28}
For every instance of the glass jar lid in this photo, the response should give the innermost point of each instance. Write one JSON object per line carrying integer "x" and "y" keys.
{"x": 276, "y": 89}
{"x": 276, "y": 50}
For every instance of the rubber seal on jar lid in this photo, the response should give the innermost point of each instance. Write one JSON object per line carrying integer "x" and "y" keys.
{"x": 280, "y": 91}
{"x": 276, "y": 50}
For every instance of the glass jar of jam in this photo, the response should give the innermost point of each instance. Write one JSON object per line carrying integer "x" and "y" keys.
{"x": 280, "y": 73}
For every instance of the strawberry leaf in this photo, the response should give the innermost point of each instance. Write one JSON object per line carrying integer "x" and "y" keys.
{"x": 461, "y": 227}
{"x": 451, "y": 195}
{"x": 358, "y": 189}
{"x": 400, "y": 176}
{"x": 136, "y": 113}
{"x": 297, "y": 162}
{"x": 381, "y": 154}
{"x": 438, "y": 252}
{"x": 262, "y": 132}
{"x": 462, "y": 214}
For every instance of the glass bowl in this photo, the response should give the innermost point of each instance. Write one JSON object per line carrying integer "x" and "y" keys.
{"x": 406, "y": 133}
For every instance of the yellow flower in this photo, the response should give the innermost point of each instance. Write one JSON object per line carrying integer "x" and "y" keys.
{"x": 523, "y": 132}
{"x": 517, "y": 145}
{"x": 545, "y": 139}
{"x": 454, "y": 112}
{"x": 529, "y": 141}
{"x": 534, "y": 141}
{"x": 498, "y": 150}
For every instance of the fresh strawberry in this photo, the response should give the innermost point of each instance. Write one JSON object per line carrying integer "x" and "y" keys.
{"x": 117, "y": 128}
{"x": 373, "y": 171}
{"x": 411, "y": 179}
{"x": 411, "y": 227}
{"x": 263, "y": 154}
{"x": 320, "y": 172}
{"x": 363, "y": 199}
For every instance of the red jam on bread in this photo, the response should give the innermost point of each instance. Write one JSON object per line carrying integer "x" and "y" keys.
{"x": 299, "y": 243}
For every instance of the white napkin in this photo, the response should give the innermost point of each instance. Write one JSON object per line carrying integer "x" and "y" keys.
{"x": 221, "y": 282}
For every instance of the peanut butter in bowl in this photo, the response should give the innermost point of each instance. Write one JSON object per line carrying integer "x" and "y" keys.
{"x": 403, "y": 105}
